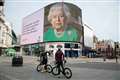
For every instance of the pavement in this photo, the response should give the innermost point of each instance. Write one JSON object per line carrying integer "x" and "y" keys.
{"x": 82, "y": 69}
{"x": 92, "y": 60}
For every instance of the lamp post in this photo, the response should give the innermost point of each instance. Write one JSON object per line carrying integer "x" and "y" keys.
{"x": 116, "y": 48}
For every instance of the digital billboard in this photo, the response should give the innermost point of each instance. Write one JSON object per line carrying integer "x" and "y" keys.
{"x": 88, "y": 36}
{"x": 32, "y": 28}
{"x": 58, "y": 22}
{"x": 62, "y": 22}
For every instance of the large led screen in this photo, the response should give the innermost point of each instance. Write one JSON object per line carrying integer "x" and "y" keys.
{"x": 32, "y": 28}
{"x": 62, "y": 22}
{"x": 55, "y": 22}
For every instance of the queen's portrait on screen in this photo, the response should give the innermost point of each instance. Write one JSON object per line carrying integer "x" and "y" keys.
{"x": 60, "y": 24}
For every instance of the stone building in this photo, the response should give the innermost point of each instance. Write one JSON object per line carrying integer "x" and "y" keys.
{"x": 5, "y": 30}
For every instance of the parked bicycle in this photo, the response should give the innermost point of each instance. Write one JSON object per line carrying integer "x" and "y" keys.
{"x": 65, "y": 71}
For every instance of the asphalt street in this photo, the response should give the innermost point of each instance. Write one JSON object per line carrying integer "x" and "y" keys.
{"x": 80, "y": 70}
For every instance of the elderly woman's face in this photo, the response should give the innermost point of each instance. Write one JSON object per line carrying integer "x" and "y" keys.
{"x": 57, "y": 19}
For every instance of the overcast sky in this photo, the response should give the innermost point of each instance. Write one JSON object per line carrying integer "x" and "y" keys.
{"x": 101, "y": 15}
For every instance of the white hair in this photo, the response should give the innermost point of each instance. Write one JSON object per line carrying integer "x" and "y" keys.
{"x": 59, "y": 6}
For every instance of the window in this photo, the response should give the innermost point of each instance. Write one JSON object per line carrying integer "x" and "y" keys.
{"x": 67, "y": 45}
{"x": 51, "y": 46}
{"x": 2, "y": 41}
{"x": 76, "y": 46}
{"x": 3, "y": 34}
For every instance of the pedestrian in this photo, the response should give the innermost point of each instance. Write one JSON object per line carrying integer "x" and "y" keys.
{"x": 116, "y": 54}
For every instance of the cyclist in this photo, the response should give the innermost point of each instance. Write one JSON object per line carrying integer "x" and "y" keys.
{"x": 44, "y": 60}
{"x": 59, "y": 58}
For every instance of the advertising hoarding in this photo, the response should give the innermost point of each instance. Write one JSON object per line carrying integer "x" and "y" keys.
{"x": 63, "y": 22}
{"x": 88, "y": 36}
{"x": 58, "y": 22}
{"x": 32, "y": 28}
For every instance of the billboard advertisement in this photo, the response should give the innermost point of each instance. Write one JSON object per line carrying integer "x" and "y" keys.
{"x": 62, "y": 22}
{"x": 88, "y": 36}
{"x": 57, "y": 22}
{"x": 32, "y": 28}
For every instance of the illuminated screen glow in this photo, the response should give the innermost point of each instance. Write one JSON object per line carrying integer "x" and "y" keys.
{"x": 43, "y": 26}
{"x": 88, "y": 37}
{"x": 63, "y": 22}
{"x": 32, "y": 28}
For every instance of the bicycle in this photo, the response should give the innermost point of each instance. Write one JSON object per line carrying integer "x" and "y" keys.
{"x": 47, "y": 66}
{"x": 66, "y": 71}
{"x": 40, "y": 68}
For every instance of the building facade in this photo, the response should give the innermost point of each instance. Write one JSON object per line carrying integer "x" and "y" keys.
{"x": 70, "y": 49}
{"x": 5, "y": 30}
{"x": 106, "y": 48}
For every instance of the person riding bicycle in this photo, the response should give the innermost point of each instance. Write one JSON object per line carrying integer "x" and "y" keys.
{"x": 59, "y": 58}
{"x": 59, "y": 67}
{"x": 44, "y": 60}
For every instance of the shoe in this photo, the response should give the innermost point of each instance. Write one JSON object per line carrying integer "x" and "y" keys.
{"x": 44, "y": 71}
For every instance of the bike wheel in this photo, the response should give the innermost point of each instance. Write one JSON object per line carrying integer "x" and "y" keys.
{"x": 49, "y": 68}
{"x": 67, "y": 73}
{"x": 55, "y": 71}
{"x": 39, "y": 67}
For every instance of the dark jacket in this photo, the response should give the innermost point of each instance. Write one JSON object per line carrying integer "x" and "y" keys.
{"x": 59, "y": 56}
